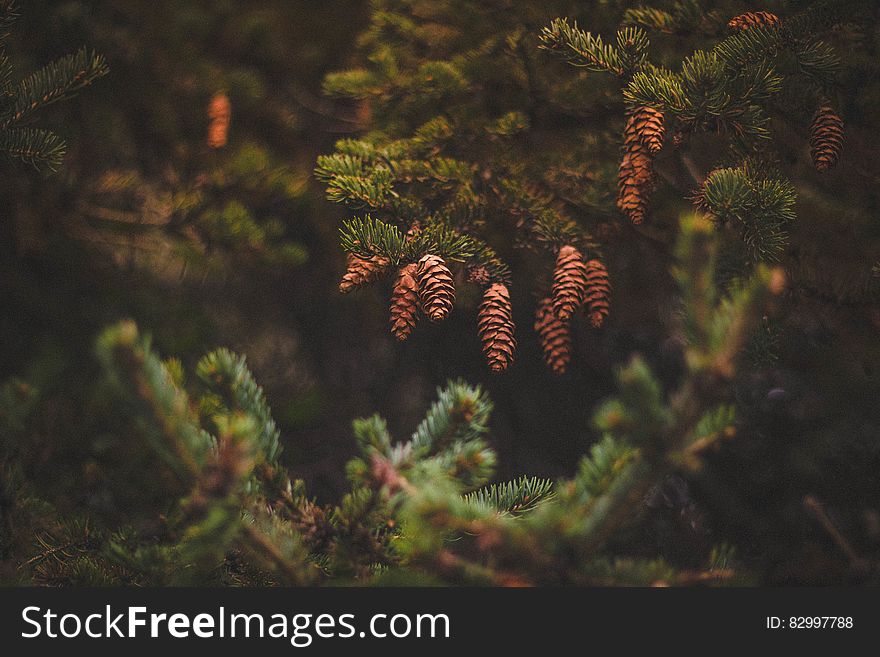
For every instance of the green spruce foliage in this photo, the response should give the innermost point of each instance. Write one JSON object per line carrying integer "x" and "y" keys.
{"x": 21, "y": 101}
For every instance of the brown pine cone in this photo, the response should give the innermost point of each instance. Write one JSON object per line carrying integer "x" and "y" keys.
{"x": 555, "y": 337}
{"x": 361, "y": 271}
{"x": 436, "y": 288}
{"x": 219, "y": 118}
{"x": 646, "y": 124}
{"x": 496, "y": 328}
{"x": 826, "y": 138}
{"x": 598, "y": 292}
{"x": 635, "y": 179}
{"x": 753, "y": 19}
{"x": 569, "y": 282}
{"x": 405, "y": 302}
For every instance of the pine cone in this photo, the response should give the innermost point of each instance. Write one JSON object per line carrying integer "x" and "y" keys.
{"x": 635, "y": 179}
{"x": 496, "y": 328}
{"x": 598, "y": 292}
{"x": 646, "y": 125}
{"x": 361, "y": 271}
{"x": 435, "y": 287}
{"x": 569, "y": 282}
{"x": 219, "y": 118}
{"x": 405, "y": 302}
{"x": 826, "y": 138}
{"x": 555, "y": 337}
{"x": 753, "y": 19}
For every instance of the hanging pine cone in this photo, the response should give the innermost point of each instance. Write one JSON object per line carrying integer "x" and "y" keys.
{"x": 361, "y": 271}
{"x": 405, "y": 302}
{"x": 555, "y": 337}
{"x": 826, "y": 138}
{"x": 219, "y": 118}
{"x": 598, "y": 292}
{"x": 646, "y": 125}
{"x": 753, "y": 19}
{"x": 635, "y": 179}
{"x": 496, "y": 328}
{"x": 569, "y": 282}
{"x": 435, "y": 287}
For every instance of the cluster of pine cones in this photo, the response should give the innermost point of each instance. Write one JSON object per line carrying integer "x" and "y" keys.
{"x": 644, "y": 133}
{"x": 575, "y": 284}
{"x": 426, "y": 288}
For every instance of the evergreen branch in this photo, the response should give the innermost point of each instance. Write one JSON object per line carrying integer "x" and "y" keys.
{"x": 639, "y": 413}
{"x": 581, "y": 48}
{"x": 744, "y": 48}
{"x": 485, "y": 257}
{"x": 362, "y": 191}
{"x": 165, "y": 416}
{"x": 656, "y": 19}
{"x": 355, "y": 83}
{"x": 460, "y": 414}
{"x": 227, "y": 375}
{"x": 716, "y": 424}
{"x": 513, "y": 497}
{"x": 632, "y": 48}
{"x": 366, "y": 237}
{"x": 372, "y": 435}
{"x": 556, "y": 230}
{"x": 468, "y": 463}
{"x": 694, "y": 273}
{"x": 763, "y": 208}
{"x": 42, "y": 149}
{"x": 440, "y": 240}
{"x": 817, "y": 59}
{"x": 54, "y": 82}
{"x": 338, "y": 164}
{"x": 607, "y": 458}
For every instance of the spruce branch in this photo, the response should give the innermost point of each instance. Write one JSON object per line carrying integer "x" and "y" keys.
{"x": 367, "y": 237}
{"x": 163, "y": 414}
{"x": 582, "y": 49}
{"x": 460, "y": 414}
{"x": 41, "y": 149}
{"x": 513, "y": 497}
{"x": 56, "y": 81}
